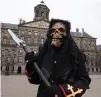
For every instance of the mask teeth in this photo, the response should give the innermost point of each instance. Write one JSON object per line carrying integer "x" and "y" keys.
{"x": 57, "y": 38}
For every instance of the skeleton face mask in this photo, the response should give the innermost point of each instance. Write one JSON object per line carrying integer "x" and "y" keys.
{"x": 58, "y": 31}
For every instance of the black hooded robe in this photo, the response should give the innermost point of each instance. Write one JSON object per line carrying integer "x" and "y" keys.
{"x": 61, "y": 66}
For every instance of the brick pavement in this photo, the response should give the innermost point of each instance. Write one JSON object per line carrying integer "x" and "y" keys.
{"x": 18, "y": 86}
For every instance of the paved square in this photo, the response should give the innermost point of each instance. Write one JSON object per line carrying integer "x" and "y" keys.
{"x": 18, "y": 86}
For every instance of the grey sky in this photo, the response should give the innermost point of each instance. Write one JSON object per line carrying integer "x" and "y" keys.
{"x": 81, "y": 13}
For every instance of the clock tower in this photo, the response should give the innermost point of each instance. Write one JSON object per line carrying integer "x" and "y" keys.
{"x": 41, "y": 12}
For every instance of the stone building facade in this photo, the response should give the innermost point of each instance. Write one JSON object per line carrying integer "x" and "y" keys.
{"x": 34, "y": 34}
{"x": 98, "y": 61}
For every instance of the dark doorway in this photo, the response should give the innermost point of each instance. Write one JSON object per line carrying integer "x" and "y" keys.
{"x": 96, "y": 69}
{"x": 12, "y": 68}
{"x": 7, "y": 70}
{"x": 1, "y": 68}
{"x": 19, "y": 70}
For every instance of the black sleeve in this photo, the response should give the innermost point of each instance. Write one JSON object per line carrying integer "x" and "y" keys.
{"x": 82, "y": 75}
{"x": 81, "y": 83}
{"x": 34, "y": 78}
{"x": 32, "y": 75}
{"x": 30, "y": 72}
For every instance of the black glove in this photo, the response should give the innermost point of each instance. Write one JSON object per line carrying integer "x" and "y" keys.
{"x": 29, "y": 58}
{"x": 52, "y": 90}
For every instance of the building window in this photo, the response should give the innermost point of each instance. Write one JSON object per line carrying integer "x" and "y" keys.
{"x": 12, "y": 42}
{"x": 35, "y": 41}
{"x": 20, "y": 51}
{"x": 2, "y": 53}
{"x": 29, "y": 40}
{"x": 22, "y": 32}
{"x": 4, "y": 41}
{"x": 92, "y": 69}
{"x": 91, "y": 62}
{"x": 1, "y": 68}
{"x": 6, "y": 34}
{"x": 22, "y": 38}
{"x": 96, "y": 69}
{"x": 42, "y": 41}
{"x": 41, "y": 34}
{"x": 20, "y": 59}
{"x": 6, "y": 52}
{"x": 12, "y": 68}
{"x": 42, "y": 14}
{"x": 9, "y": 59}
{"x": 29, "y": 33}
{"x": 36, "y": 33}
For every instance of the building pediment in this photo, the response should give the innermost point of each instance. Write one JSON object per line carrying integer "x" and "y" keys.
{"x": 38, "y": 24}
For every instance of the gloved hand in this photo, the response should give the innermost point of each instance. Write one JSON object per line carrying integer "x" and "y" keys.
{"x": 29, "y": 58}
{"x": 55, "y": 90}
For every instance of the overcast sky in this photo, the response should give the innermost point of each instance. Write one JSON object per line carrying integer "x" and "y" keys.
{"x": 81, "y": 13}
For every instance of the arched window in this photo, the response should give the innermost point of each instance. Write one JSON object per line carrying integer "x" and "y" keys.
{"x": 12, "y": 68}
{"x": 7, "y": 68}
{"x": 29, "y": 32}
{"x": 42, "y": 14}
{"x": 92, "y": 69}
{"x": 96, "y": 69}
{"x": 36, "y": 33}
{"x": 35, "y": 40}
{"x": 91, "y": 62}
{"x": 42, "y": 40}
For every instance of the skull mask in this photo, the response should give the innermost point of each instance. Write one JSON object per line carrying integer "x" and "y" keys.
{"x": 58, "y": 31}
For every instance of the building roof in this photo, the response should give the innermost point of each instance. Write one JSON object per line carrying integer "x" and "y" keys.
{"x": 8, "y": 25}
{"x": 84, "y": 34}
{"x": 81, "y": 34}
{"x": 15, "y": 26}
{"x": 32, "y": 22}
{"x": 76, "y": 34}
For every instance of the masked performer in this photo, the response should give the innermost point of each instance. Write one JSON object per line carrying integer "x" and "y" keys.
{"x": 62, "y": 63}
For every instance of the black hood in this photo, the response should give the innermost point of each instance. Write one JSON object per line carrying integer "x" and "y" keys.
{"x": 69, "y": 44}
{"x": 66, "y": 23}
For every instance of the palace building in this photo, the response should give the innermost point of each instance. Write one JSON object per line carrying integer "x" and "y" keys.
{"x": 34, "y": 34}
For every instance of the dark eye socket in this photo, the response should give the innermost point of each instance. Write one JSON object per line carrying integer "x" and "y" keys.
{"x": 62, "y": 29}
{"x": 52, "y": 30}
